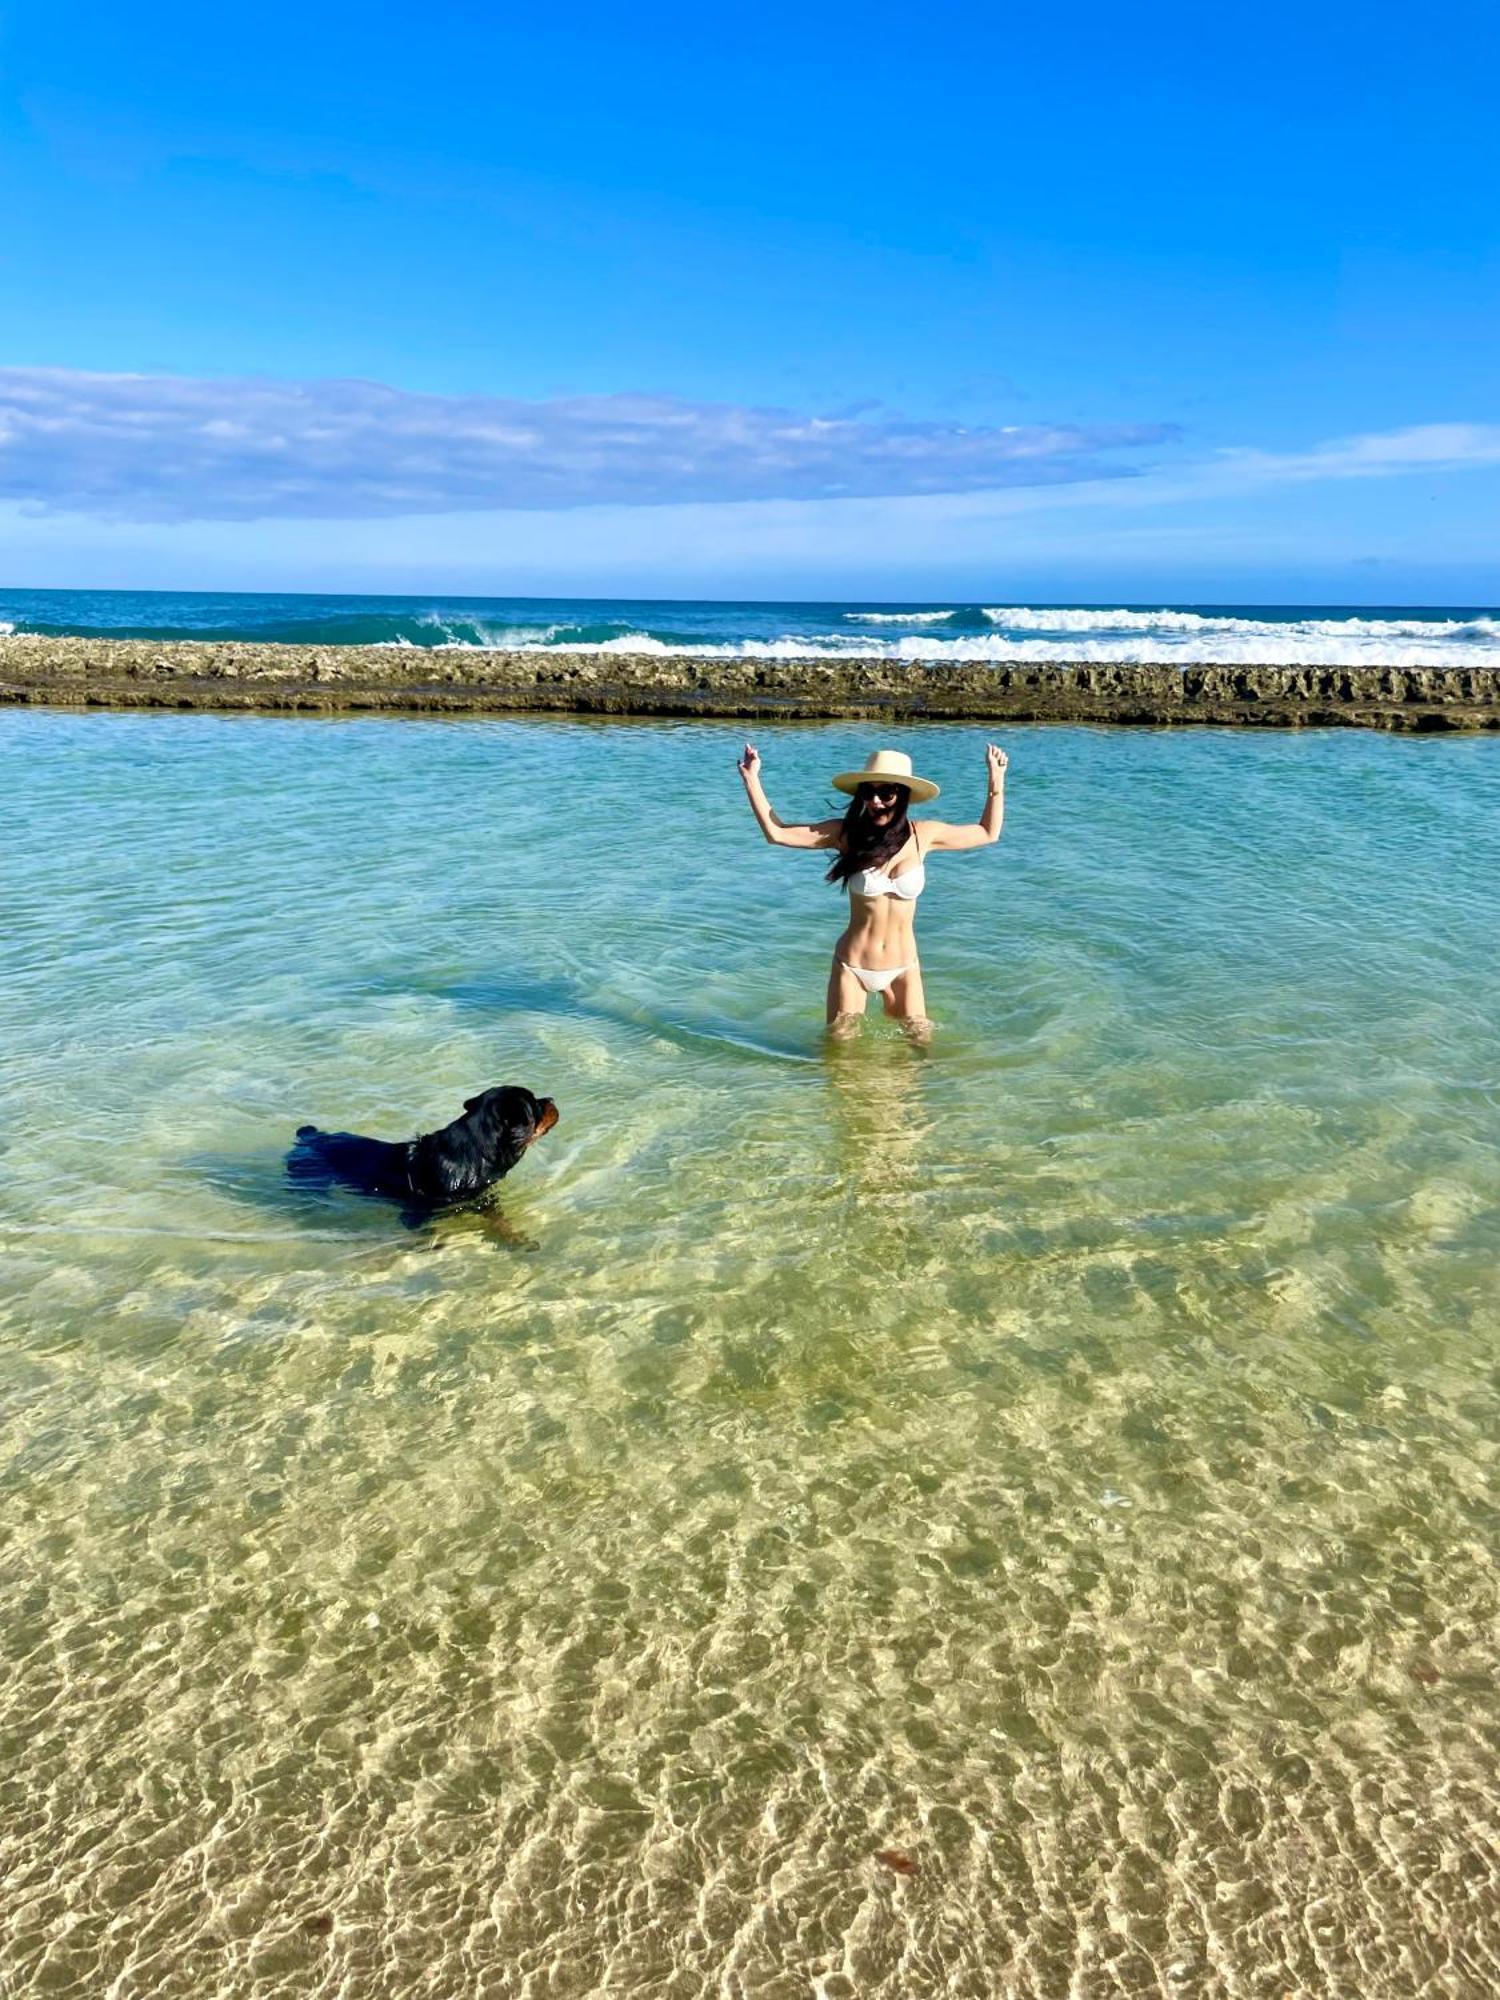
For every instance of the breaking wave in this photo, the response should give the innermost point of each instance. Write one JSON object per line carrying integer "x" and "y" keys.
{"x": 902, "y": 617}
{"x": 1177, "y": 638}
{"x": 1004, "y": 635}
{"x": 1167, "y": 624}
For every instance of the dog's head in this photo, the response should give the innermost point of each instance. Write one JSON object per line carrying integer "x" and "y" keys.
{"x": 503, "y": 1122}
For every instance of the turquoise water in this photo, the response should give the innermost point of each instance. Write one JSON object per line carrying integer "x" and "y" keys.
{"x": 1064, "y": 1458}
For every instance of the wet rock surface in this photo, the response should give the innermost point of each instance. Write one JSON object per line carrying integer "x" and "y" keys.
{"x": 135, "y": 673}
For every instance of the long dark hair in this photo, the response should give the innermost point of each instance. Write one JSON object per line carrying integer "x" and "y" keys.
{"x": 862, "y": 844}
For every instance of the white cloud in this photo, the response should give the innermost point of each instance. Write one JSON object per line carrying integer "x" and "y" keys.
{"x": 1372, "y": 455}
{"x": 1237, "y": 524}
{"x": 176, "y": 448}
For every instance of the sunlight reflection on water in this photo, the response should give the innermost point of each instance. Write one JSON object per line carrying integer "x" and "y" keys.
{"x": 1063, "y": 1461}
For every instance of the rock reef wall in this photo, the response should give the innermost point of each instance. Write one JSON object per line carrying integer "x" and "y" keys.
{"x": 135, "y": 673}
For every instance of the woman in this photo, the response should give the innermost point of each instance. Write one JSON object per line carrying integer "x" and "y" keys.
{"x": 880, "y": 857}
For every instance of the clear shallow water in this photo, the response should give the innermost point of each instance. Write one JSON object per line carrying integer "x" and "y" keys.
{"x": 1007, "y": 634}
{"x": 1066, "y": 1459}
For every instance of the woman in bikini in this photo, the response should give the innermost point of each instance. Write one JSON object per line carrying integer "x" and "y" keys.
{"x": 880, "y": 857}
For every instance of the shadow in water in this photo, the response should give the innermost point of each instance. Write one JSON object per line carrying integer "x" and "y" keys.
{"x": 568, "y": 999}
{"x": 260, "y": 1181}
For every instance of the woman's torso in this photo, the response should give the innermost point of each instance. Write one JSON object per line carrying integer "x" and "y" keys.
{"x": 882, "y": 911}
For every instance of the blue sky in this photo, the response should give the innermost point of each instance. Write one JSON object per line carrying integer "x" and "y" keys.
{"x": 1101, "y": 303}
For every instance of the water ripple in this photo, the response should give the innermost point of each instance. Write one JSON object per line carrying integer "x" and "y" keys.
{"x": 1012, "y": 1519}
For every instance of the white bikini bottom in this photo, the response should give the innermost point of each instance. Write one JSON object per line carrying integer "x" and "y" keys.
{"x": 876, "y": 982}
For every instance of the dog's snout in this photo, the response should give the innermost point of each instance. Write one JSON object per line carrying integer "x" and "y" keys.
{"x": 549, "y": 1117}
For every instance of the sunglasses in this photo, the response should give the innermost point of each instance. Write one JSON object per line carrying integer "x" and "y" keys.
{"x": 881, "y": 795}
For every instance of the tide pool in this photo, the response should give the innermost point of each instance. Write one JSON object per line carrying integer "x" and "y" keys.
{"x": 1063, "y": 1459}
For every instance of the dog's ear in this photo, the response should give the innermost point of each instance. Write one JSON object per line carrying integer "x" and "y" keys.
{"x": 512, "y": 1121}
{"x": 504, "y": 1096}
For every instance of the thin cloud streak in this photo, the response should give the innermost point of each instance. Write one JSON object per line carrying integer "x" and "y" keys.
{"x": 1416, "y": 449}
{"x": 177, "y": 448}
{"x": 1374, "y": 455}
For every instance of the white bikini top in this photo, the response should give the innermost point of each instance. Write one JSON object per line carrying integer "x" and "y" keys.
{"x": 908, "y": 885}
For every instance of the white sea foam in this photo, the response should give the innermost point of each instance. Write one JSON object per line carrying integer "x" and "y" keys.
{"x": 491, "y": 639}
{"x": 898, "y": 617}
{"x": 1027, "y": 618}
{"x": 475, "y": 633}
{"x": 1165, "y": 624}
{"x": 640, "y": 642}
{"x": 542, "y": 639}
{"x": 1277, "y": 645}
{"x": 520, "y": 635}
{"x": 6, "y": 628}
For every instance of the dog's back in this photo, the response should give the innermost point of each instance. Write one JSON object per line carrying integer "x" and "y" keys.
{"x": 348, "y": 1159}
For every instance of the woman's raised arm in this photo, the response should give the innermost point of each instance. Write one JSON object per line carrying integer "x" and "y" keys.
{"x": 822, "y": 833}
{"x": 952, "y": 839}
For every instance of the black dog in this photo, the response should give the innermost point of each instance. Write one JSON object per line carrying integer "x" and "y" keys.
{"x": 437, "y": 1169}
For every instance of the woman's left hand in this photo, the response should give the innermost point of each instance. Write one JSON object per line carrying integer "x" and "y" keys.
{"x": 998, "y": 762}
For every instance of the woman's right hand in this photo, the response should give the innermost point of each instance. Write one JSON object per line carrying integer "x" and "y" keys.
{"x": 749, "y": 764}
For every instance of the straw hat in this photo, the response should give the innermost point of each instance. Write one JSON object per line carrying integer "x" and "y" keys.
{"x": 891, "y": 767}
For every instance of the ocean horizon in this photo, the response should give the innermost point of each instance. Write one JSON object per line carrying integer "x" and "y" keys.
{"x": 1009, "y": 634}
